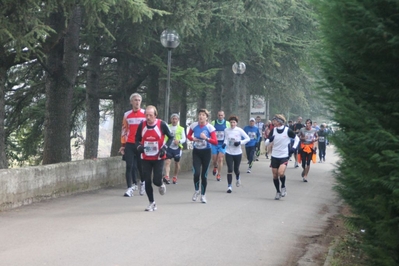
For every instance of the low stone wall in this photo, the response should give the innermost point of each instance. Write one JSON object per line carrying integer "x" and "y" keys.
{"x": 23, "y": 186}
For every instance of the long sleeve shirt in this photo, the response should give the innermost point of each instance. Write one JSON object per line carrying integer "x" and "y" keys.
{"x": 253, "y": 134}
{"x": 233, "y": 135}
{"x": 195, "y": 132}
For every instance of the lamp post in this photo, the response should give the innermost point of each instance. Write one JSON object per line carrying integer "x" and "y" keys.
{"x": 170, "y": 40}
{"x": 238, "y": 69}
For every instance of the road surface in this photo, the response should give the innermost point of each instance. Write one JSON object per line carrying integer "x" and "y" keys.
{"x": 246, "y": 227}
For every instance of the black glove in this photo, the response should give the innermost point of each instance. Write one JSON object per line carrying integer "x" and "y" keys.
{"x": 224, "y": 145}
{"x": 140, "y": 149}
{"x": 271, "y": 138}
{"x": 237, "y": 143}
{"x": 162, "y": 152}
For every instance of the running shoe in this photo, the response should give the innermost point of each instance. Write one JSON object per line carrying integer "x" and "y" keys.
{"x": 174, "y": 180}
{"x": 218, "y": 177}
{"x": 238, "y": 182}
{"x": 162, "y": 189}
{"x": 296, "y": 165}
{"x": 203, "y": 199}
{"x": 166, "y": 180}
{"x": 215, "y": 170}
{"x": 196, "y": 194}
{"x": 129, "y": 192}
{"x": 229, "y": 189}
{"x": 249, "y": 170}
{"x": 283, "y": 192}
{"x": 305, "y": 180}
{"x": 152, "y": 207}
{"x": 135, "y": 187}
{"x": 142, "y": 188}
{"x": 278, "y": 196}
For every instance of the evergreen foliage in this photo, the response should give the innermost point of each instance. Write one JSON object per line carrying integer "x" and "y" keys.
{"x": 270, "y": 36}
{"x": 359, "y": 62}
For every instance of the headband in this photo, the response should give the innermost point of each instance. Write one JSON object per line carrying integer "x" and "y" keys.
{"x": 281, "y": 121}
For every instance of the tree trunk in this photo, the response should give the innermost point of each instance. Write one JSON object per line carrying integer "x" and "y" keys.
{"x": 121, "y": 102}
{"x": 3, "y": 156}
{"x": 62, "y": 68}
{"x": 183, "y": 111}
{"x": 201, "y": 102}
{"x": 153, "y": 88}
{"x": 216, "y": 101}
{"x": 227, "y": 92}
{"x": 92, "y": 107}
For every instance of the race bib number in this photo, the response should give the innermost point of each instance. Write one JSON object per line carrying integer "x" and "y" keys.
{"x": 309, "y": 137}
{"x": 200, "y": 144}
{"x": 151, "y": 148}
{"x": 321, "y": 139}
{"x": 231, "y": 142}
{"x": 252, "y": 135}
{"x": 220, "y": 135}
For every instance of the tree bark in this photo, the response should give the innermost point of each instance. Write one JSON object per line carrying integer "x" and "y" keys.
{"x": 3, "y": 156}
{"x": 153, "y": 89}
{"x": 121, "y": 102}
{"x": 183, "y": 111}
{"x": 62, "y": 68}
{"x": 92, "y": 106}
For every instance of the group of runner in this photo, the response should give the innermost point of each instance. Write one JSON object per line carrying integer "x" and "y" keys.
{"x": 149, "y": 145}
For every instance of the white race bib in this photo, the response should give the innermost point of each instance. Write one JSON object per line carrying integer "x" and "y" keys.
{"x": 231, "y": 141}
{"x": 220, "y": 135}
{"x": 200, "y": 144}
{"x": 151, "y": 148}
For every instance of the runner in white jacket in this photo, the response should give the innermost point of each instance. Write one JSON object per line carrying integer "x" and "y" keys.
{"x": 281, "y": 137}
{"x": 234, "y": 137}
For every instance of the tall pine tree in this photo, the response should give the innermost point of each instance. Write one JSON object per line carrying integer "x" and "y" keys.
{"x": 359, "y": 62}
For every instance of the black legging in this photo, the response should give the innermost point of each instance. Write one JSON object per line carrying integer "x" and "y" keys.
{"x": 306, "y": 158}
{"x": 258, "y": 147}
{"x": 233, "y": 161}
{"x": 201, "y": 158}
{"x": 250, "y": 154}
{"x": 133, "y": 164}
{"x": 322, "y": 150}
{"x": 150, "y": 168}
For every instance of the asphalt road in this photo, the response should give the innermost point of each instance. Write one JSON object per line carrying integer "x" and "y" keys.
{"x": 246, "y": 227}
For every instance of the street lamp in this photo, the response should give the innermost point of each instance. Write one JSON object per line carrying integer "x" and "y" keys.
{"x": 170, "y": 40}
{"x": 238, "y": 69}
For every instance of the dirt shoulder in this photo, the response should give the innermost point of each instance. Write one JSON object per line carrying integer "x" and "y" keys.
{"x": 336, "y": 245}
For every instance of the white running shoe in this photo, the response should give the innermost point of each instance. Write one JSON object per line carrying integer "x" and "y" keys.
{"x": 229, "y": 189}
{"x": 196, "y": 194}
{"x": 135, "y": 187}
{"x": 278, "y": 196}
{"x": 152, "y": 207}
{"x": 203, "y": 199}
{"x": 238, "y": 182}
{"x": 283, "y": 192}
{"x": 129, "y": 192}
{"x": 162, "y": 189}
{"x": 142, "y": 188}
{"x": 249, "y": 170}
